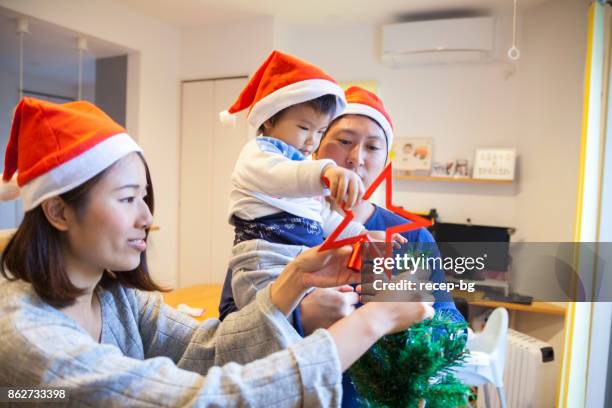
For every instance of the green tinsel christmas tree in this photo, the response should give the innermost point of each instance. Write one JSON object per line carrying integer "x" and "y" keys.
{"x": 411, "y": 368}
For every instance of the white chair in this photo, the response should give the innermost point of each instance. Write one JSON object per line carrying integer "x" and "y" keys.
{"x": 487, "y": 358}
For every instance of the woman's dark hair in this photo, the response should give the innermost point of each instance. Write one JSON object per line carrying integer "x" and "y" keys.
{"x": 34, "y": 253}
{"x": 325, "y": 104}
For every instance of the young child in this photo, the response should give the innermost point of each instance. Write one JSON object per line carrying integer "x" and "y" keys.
{"x": 277, "y": 203}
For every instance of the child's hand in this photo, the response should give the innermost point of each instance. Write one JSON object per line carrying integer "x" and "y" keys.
{"x": 345, "y": 186}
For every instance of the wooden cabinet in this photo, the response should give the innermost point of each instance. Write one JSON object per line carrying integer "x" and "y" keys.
{"x": 208, "y": 152}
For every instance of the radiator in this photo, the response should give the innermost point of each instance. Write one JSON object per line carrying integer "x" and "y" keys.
{"x": 529, "y": 375}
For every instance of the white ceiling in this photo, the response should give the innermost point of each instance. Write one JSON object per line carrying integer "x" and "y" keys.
{"x": 50, "y": 51}
{"x": 190, "y": 13}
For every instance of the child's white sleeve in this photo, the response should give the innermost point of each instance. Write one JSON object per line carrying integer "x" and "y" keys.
{"x": 261, "y": 167}
{"x": 331, "y": 220}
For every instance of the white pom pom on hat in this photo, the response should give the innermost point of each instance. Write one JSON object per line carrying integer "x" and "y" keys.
{"x": 227, "y": 119}
{"x": 9, "y": 190}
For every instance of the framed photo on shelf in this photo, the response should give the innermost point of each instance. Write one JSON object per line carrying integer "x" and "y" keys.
{"x": 462, "y": 168}
{"x": 442, "y": 169}
{"x": 495, "y": 163}
{"x": 412, "y": 154}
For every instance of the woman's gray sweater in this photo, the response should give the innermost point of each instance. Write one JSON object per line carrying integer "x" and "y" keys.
{"x": 151, "y": 355}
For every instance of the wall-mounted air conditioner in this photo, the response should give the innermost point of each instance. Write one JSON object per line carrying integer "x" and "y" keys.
{"x": 438, "y": 41}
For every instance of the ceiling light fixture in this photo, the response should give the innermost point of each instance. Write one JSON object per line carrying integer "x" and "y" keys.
{"x": 22, "y": 29}
{"x": 514, "y": 53}
{"x": 81, "y": 47}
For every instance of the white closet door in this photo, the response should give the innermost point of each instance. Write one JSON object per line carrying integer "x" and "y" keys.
{"x": 208, "y": 154}
{"x": 227, "y": 144}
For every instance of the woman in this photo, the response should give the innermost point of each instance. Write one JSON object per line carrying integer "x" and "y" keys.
{"x": 78, "y": 313}
{"x": 360, "y": 140}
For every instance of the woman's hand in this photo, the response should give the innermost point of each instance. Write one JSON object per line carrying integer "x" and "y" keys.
{"x": 355, "y": 334}
{"x": 323, "y": 307}
{"x": 309, "y": 269}
{"x": 392, "y": 317}
{"x": 325, "y": 269}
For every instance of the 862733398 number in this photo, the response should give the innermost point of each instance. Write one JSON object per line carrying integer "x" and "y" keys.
{"x": 32, "y": 394}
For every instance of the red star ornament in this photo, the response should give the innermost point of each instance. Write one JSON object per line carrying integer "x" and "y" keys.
{"x": 354, "y": 261}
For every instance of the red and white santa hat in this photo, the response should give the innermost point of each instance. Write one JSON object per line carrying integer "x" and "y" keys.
{"x": 54, "y": 148}
{"x": 363, "y": 102}
{"x": 280, "y": 82}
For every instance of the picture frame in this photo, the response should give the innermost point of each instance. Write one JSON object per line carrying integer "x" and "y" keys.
{"x": 462, "y": 168}
{"x": 494, "y": 163}
{"x": 413, "y": 154}
{"x": 443, "y": 169}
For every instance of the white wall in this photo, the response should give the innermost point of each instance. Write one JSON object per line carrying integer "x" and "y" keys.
{"x": 551, "y": 86}
{"x": 225, "y": 50}
{"x": 153, "y": 98}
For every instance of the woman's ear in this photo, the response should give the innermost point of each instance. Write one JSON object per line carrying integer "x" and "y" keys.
{"x": 56, "y": 211}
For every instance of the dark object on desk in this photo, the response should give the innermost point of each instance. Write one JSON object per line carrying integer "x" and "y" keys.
{"x": 472, "y": 241}
{"x": 451, "y": 232}
{"x": 512, "y": 298}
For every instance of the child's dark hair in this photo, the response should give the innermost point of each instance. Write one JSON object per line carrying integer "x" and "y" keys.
{"x": 325, "y": 104}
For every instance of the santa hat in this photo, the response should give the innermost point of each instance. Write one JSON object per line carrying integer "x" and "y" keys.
{"x": 54, "y": 148}
{"x": 363, "y": 102}
{"x": 280, "y": 82}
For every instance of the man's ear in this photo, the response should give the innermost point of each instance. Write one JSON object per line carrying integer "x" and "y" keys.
{"x": 56, "y": 211}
